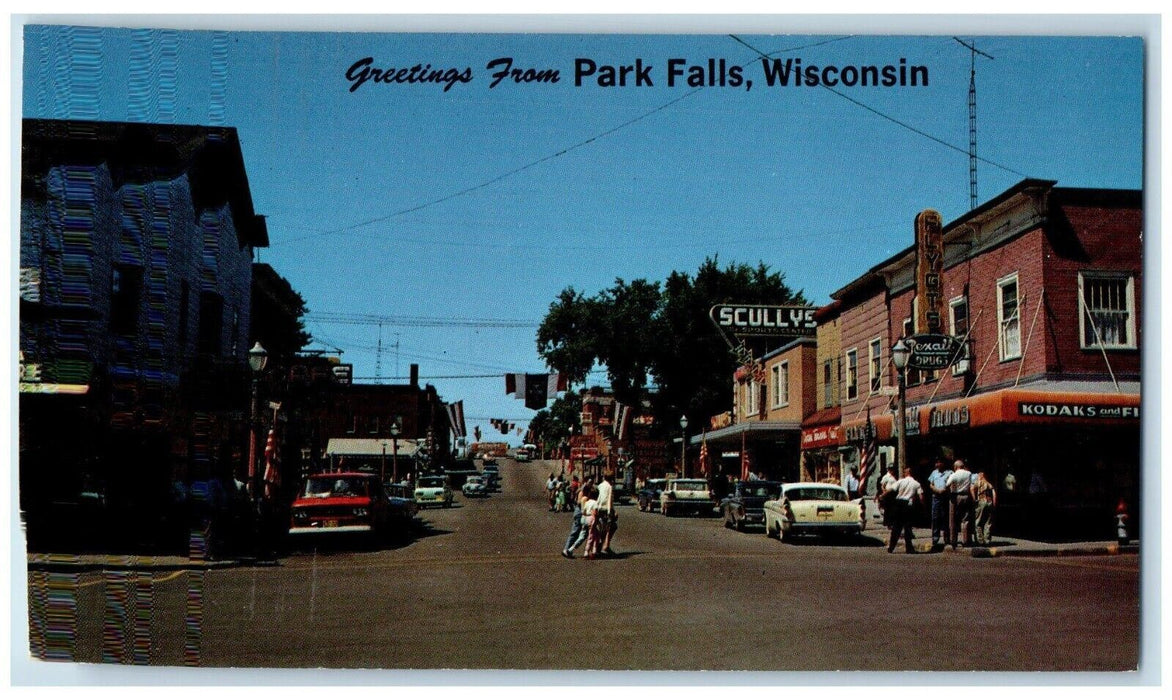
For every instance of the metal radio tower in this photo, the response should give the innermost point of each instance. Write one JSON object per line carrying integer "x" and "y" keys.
{"x": 973, "y": 51}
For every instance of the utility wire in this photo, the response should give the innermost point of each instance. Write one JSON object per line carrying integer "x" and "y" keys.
{"x": 892, "y": 119}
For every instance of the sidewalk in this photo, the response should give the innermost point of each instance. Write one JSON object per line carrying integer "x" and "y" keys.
{"x": 1013, "y": 546}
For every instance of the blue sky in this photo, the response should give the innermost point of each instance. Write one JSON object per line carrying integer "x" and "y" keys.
{"x": 798, "y": 177}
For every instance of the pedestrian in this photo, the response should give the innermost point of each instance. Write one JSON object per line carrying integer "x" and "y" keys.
{"x": 959, "y": 489}
{"x": 938, "y": 483}
{"x": 560, "y": 499}
{"x": 589, "y": 533}
{"x": 852, "y": 483}
{"x": 885, "y": 494}
{"x": 985, "y": 503}
{"x": 550, "y": 487}
{"x": 605, "y": 518}
{"x": 576, "y": 534}
{"x": 907, "y": 493}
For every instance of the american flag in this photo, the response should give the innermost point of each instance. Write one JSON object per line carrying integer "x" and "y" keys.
{"x": 704, "y": 454}
{"x": 272, "y": 476}
{"x": 868, "y": 454}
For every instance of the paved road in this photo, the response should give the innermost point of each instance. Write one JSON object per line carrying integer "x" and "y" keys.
{"x": 485, "y": 587}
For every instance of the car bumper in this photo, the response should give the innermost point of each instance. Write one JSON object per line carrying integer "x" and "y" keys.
{"x": 828, "y": 528}
{"x": 322, "y": 530}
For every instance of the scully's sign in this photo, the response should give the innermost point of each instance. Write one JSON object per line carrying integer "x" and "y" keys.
{"x": 749, "y": 319}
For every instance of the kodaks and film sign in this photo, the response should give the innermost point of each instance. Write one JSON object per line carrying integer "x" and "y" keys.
{"x": 750, "y": 319}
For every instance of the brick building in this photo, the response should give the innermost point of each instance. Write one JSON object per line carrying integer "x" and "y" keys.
{"x": 1045, "y": 283}
{"x": 136, "y": 242}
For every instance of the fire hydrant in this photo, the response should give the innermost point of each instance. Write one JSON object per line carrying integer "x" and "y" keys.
{"x": 1121, "y": 522}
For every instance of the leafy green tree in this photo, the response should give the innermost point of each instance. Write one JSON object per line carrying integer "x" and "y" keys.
{"x": 659, "y": 334}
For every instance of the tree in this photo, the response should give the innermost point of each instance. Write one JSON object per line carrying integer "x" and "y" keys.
{"x": 276, "y": 315}
{"x": 552, "y": 426}
{"x": 647, "y": 332}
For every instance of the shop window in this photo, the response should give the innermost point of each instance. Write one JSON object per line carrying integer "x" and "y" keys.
{"x": 779, "y": 376}
{"x": 372, "y": 425}
{"x": 125, "y": 296}
{"x": 876, "y": 364}
{"x": 1107, "y": 319}
{"x": 852, "y": 374}
{"x": 1008, "y": 323}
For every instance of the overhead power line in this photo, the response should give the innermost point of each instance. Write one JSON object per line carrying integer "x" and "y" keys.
{"x": 892, "y": 119}
{"x": 417, "y": 321}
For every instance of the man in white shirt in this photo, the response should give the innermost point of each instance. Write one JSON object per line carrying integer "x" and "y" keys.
{"x": 883, "y": 495}
{"x": 607, "y": 522}
{"x": 908, "y": 493}
{"x": 962, "y": 503}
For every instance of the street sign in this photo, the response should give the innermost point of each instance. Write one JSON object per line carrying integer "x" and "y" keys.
{"x": 932, "y": 351}
{"x": 751, "y": 319}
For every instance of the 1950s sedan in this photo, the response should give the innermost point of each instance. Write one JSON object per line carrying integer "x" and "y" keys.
{"x": 812, "y": 509}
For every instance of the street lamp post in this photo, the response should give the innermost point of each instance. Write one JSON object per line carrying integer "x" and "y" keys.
{"x": 394, "y": 451}
{"x": 683, "y": 447}
{"x": 258, "y": 357}
{"x": 900, "y": 354}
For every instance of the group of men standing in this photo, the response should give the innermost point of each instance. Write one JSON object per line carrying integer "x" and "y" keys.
{"x": 961, "y": 502}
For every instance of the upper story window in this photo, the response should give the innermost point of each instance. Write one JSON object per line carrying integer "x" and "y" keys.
{"x": 827, "y": 385}
{"x": 876, "y": 365}
{"x": 779, "y": 380}
{"x": 125, "y": 299}
{"x": 852, "y": 374}
{"x": 912, "y": 377}
{"x": 749, "y": 402}
{"x": 1008, "y": 322}
{"x": 958, "y": 313}
{"x": 1107, "y": 314}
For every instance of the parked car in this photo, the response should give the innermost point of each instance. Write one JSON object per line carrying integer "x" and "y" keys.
{"x": 648, "y": 496}
{"x": 685, "y": 496}
{"x": 808, "y": 508}
{"x": 492, "y": 477}
{"x": 489, "y": 459}
{"x": 459, "y": 470}
{"x": 340, "y": 503}
{"x": 475, "y": 487}
{"x": 433, "y": 491}
{"x": 746, "y": 504}
{"x": 402, "y": 509}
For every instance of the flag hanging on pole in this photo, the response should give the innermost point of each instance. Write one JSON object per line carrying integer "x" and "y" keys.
{"x": 534, "y": 389}
{"x": 869, "y": 453}
{"x": 704, "y": 454}
{"x": 272, "y": 475}
{"x": 744, "y": 459}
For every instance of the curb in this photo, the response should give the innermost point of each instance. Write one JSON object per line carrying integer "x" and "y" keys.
{"x": 1075, "y": 551}
{"x": 58, "y": 562}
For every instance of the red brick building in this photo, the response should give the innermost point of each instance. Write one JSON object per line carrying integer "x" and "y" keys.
{"x": 1045, "y": 285}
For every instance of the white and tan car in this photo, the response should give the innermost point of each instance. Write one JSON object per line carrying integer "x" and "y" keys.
{"x": 816, "y": 509}
{"x": 433, "y": 491}
{"x": 686, "y": 496}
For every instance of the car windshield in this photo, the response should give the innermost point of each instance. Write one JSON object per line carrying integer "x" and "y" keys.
{"x": 432, "y": 482}
{"x": 655, "y": 483}
{"x": 816, "y": 493}
{"x": 334, "y": 487}
{"x": 763, "y": 490}
{"x": 691, "y": 485}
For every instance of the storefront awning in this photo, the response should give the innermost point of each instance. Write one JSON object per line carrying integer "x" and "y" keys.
{"x": 1006, "y": 407}
{"x": 371, "y": 447}
{"x": 751, "y": 430}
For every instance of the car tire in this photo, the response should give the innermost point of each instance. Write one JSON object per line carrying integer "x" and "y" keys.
{"x": 739, "y": 525}
{"x": 781, "y": 534}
